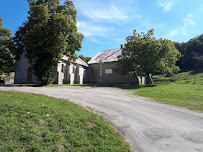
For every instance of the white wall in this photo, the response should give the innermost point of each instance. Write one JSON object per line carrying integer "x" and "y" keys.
{"x": 73, "y": 73}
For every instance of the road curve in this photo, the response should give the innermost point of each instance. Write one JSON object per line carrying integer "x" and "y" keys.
{"x": 148, "y": 126}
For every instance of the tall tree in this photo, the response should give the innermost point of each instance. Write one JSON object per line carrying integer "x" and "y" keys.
{"x": 48, "y": 35}
{"x": 6, "y": 54}
{"x": 195, "y": 48}
{"x": 192, "y": 53}
{"x": 145, "y": 55}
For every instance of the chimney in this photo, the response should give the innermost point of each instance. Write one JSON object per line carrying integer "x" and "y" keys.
{"x": 121, "y": 46}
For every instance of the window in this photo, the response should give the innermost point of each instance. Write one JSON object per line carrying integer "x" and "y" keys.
{"x": 73, "y": 69}
{"x": 108, "y": 71}
{"x": 62, "y": 67}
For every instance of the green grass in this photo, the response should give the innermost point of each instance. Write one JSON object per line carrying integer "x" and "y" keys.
{"x": 30, "y": 122}
{"x": 181, "y": 78}
{"x": 185, "y": 95}
{"x": 184, "y": 89}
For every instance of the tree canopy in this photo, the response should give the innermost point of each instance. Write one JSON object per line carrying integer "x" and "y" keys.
{"x": 192, "y": 53}
{"x": 143, "y": 55}
{"x": 6, "y": 52}
{"x": 48, "y": 35}
{"x": 86, "y": 59}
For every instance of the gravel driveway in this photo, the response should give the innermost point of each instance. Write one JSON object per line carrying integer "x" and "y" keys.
{"x": 149, "y": 126}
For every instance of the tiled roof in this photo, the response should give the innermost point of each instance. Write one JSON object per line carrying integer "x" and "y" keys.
{"x": 106, "y": 56}
{"x": 78, "y": 61}
{"x": 81, "y": 62}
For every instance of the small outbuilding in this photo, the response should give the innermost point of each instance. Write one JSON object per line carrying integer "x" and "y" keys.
{"x": 73, "y": 73}
{"x": 103, "y": 69}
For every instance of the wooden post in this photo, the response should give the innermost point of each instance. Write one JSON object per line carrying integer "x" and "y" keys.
{"x": 100, "y": 74}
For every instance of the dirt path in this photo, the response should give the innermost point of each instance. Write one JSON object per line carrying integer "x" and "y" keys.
{"x": 149, "y": 126}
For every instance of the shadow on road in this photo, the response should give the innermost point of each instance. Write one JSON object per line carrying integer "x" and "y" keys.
{"x": 18, "y": 85}
{"x": 120, "y": 86}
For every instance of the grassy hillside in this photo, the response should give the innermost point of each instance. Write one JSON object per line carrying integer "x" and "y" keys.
{"x": 183, "y": 89}
{"x": 30, "y": 122}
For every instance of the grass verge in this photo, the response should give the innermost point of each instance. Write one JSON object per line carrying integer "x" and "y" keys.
{"x": 184, "y": 89}
{"x": 185, "y": 95}
{"x": 31, "y": 122}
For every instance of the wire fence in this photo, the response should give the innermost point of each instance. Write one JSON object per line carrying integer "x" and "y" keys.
{"x": 188, "y": 80}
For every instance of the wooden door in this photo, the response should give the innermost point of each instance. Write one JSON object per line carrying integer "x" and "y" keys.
{"x": 29, "y": 74}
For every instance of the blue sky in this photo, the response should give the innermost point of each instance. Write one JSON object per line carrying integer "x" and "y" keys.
{"x": 106, "y": 23}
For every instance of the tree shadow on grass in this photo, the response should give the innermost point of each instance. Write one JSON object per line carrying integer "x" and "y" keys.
{"x": 196, "y": 71}
{"x": 124, "y": 86}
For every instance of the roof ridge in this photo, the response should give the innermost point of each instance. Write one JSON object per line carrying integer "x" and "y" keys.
{"x": 108, "y": 50}
{"x": 112, "y": 54}
{"x": 106, "y": 56}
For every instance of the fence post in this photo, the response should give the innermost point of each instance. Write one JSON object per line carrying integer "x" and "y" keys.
{"x": 194, "y": 80}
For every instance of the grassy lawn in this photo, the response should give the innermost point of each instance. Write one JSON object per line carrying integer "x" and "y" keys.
{"x": 30, "y": 122}
{"x": 183, "y": 89}
{"x": 186, "y": 95}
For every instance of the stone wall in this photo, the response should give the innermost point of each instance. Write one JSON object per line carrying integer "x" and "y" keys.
{"x": 21, "y": 72}
{"x": 107, "y": 73}
{"x": 70, "y": 73}
{"x": 66, "y": 73}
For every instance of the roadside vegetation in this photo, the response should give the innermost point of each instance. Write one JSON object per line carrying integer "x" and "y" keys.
{"x": 31, "y": 122}
{"x": 183, "y": 89}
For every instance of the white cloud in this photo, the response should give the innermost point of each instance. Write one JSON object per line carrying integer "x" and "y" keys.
{"x": 188, "y": 22}
{"x": 100, "y": 10}
{"x": 172, "y": 33}
{"x": 89, "y": 29}
{"x": 106, "y": 13}
{"x": 186, "y": 28}
{"x": 166, "y": 4}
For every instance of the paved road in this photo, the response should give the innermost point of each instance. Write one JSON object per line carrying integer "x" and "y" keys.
{"x": 149, "y": 126}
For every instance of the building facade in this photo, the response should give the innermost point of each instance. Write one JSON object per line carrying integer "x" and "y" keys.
{"x": 103, "y": 69}
{"x": 73, "y": 73}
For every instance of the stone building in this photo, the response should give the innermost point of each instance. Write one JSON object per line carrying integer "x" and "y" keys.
{"x": 73, "y": 73}
{"x": 103, "y": 69}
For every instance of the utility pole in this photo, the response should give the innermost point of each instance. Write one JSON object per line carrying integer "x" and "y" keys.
{"x": 100, "y": 73}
